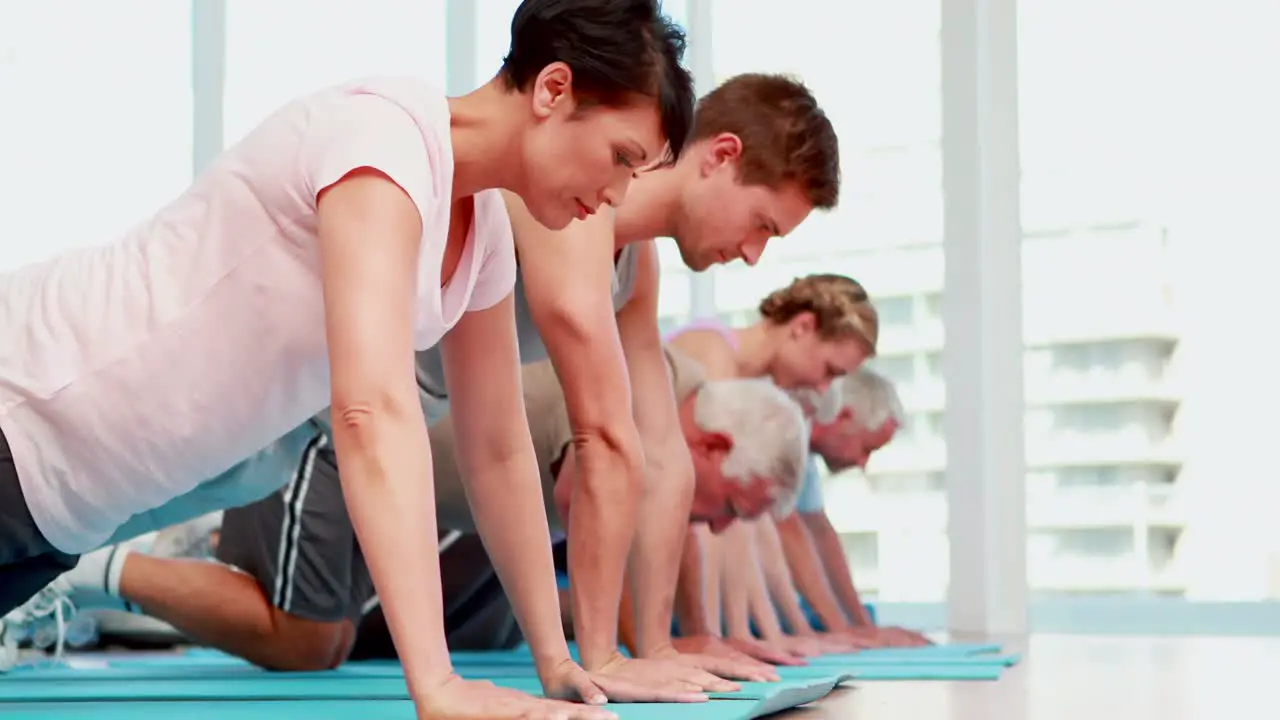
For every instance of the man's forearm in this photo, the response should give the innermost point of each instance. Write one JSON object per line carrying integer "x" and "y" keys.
{"x": 691, "y": 588}
{"x": 837, "y": 566}
{"x": 663, "y": 522}
{"x": 506, "y": 501}
{"x": 762, "y": 611}
{"x": 736, "y": 580}
{"x": 601, "y": 531}
{"x": 627, "y": 618}
{"x": 761, "y": 606}
{"x": 778, "y": 577}
{"x": 713, "y": 578}
{"x": 802, "y": 555}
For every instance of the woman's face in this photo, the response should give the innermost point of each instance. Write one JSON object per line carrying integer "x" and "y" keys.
{"x": 804, "y": 360}
{"x": 577, "y": 159}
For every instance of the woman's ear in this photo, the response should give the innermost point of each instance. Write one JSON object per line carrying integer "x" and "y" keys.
{"x": 552, "y": 90}
{"x": 802, "y": 324}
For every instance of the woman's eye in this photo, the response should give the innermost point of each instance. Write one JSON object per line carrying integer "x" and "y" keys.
{"x": 622, "y": 160}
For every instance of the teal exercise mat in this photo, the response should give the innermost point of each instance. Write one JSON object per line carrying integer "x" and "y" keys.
{"x": 868, "y": 671}
{"x": 280, "y": 687}
{"x": 917, "y": 671}
{"x": 939, "y": 649}
{"x": 949, "y": 650}
{"x": 929, "y": 653}
{"x": 178, "y": 667}
{"x": 253, "y": 684}
{"x": 507, "y": 666}
{"x": 793, "y": 692}
{"x": 867, "y": 657}
{"x": 522, "y": 656}
{"x": 346, "y": 710}
{"x": 933, "y": 654}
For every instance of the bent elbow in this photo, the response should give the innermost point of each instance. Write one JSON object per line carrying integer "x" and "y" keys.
{"x": 367, "y": 421}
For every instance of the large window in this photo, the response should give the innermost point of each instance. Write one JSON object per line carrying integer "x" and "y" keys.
{"x": 282, "y": 49}
{"x": 876, "y": 72}
{"x": 95, "y": 121}
{"x": 1149, "y": 158}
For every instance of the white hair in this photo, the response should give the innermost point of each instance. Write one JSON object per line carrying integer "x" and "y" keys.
{"x": 769, "y": 432}
{"x": 870, "y": 396}
{"x": 821, "y": 407}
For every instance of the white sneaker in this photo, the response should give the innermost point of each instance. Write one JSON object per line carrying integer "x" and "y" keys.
{"x": 191, "y": 539}
{"x": 48, "y": 619}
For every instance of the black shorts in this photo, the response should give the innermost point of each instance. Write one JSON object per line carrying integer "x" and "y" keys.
{"x": 298, "y": 543}
{"x": 27, "y": 561}
{"x": 477, "y": 613}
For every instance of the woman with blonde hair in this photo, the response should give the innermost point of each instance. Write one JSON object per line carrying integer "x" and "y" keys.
{"x": 815, "y": 330}
{"x": 818, "y": 328}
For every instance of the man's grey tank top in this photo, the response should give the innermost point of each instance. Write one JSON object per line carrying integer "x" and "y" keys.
{"x": 532, "y": 349}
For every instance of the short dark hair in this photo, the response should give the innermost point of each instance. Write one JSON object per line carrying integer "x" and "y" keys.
{"x": 616, "y": 49}
{"x": 786, "y": 137}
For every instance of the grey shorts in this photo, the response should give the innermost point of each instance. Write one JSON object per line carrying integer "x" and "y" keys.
{"x": 27, "y": 561}
{"x": 299, "y": 543}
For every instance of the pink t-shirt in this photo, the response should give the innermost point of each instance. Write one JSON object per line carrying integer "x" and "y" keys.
{"x": 132, "y": 372}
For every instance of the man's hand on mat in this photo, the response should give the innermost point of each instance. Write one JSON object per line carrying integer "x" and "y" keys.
{"x": 846, "y": 642}
{"x": 902, "y": 637}
{"x": 458, "y": 699}
{"x": 710, "y": 653}
{"x": 645, "y": 680}
{"x": 763, "y": 652}
{"x": 801, "y": 645}
{"x": 887, "y": 637}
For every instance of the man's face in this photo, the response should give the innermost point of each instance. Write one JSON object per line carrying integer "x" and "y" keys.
{"x": 846, "y": 443}
{"x": 722, "y": 220}
{"x": 719, "y": 500}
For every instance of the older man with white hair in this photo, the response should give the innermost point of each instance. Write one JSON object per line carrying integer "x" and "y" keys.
{"x": 857, "y": 416}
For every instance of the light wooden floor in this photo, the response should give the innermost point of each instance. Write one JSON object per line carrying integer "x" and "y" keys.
{"x": 1081, "y": 678}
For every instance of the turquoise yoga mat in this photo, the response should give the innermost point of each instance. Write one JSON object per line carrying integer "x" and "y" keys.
{"x": 924, "y": 665}
{"x": 796, "y": 691}
{"x": 867, "y": 658}
{"x": 319, "y": 686}
{"x": 915, "y": 671}
{"x": 215, "y": 686}
{"x": 877, "y": 671}
{"x": 343, "y": 710}
{"x": 931, "y": 653}
{"x": 519, "y": 662}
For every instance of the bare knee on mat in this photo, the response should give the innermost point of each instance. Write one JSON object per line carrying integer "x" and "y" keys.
{"x": 297, "y": 644}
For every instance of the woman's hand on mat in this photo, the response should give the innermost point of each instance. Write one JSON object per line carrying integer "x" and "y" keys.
{"x": 568, "y": 681}
{"x": 458, "y": 699}
{"x": 698, "y": 650}
{"x": 764, "y": 652}
{"x": 646, "y": 680}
